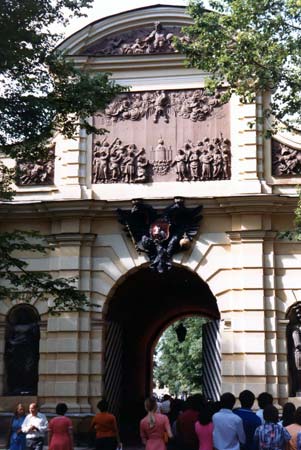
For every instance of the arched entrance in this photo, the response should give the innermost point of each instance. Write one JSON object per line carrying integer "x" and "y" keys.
{"x": 140, "y": 309}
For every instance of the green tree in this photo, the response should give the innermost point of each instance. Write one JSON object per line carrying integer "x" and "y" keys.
{"x": 178, "y": 366}
{"x": 249, "y": 47}
{"x": 40, "y": 93}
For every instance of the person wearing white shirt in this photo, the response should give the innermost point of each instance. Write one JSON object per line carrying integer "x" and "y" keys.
{"x": 228, "y": 431}
{"x": 34, "y": 427}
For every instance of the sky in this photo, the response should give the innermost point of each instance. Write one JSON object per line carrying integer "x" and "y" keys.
{"x": 103, "y": 8}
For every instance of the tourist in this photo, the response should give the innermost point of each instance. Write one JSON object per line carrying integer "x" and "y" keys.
{"x": 294, "y": 429}
{"x": 288, "y": 414}
{"x": 249, "y": 419}
{"x": 60, "y": 430}
{"x": 228, "y": 432}
{"x": 154, "y": 427}
{"x": 264, "y": 399}
{"x": 105, "y": 425}
{"x": 187, "y": 437}
{"x": 204, "y": 428}
{"x": 271, "y": 435}
{"x": 16, "y": 438}
{"x": 34, "y": 426}
{"x": 165, "y": 405}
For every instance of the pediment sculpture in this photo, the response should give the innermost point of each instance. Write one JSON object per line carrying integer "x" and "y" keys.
{"x": 143, "y": 41}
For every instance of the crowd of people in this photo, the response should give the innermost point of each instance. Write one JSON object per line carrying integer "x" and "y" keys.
{"x": 198, "y": 424}
{"x": 172, "y": 424}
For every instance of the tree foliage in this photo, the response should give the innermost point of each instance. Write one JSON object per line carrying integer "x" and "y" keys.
{"x": 250, "y": 46}
{"x": 178, "y": 366}
{"x": 41, "y": 93}
{"x": 18, "y": 282}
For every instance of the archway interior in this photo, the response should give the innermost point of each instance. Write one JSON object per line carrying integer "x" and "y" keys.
{"x": 142, "y": 307}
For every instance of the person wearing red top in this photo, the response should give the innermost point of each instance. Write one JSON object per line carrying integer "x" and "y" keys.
{"x": 187, "y": 436}
{"x": 105, "y": 425}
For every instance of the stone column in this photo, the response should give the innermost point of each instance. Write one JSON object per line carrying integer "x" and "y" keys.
{"x": 66, "y": 370}
{"x": 243, "y": 346}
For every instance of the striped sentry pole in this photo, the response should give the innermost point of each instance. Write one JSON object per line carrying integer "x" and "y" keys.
{"x": 212, "y": 378}
{"x": 113, "y": 367}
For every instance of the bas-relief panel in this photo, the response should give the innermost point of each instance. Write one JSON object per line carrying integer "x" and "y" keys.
{"x": 40, "y": 172}
{"x": 286, "y": 161}
{"x": 178, "y": 135}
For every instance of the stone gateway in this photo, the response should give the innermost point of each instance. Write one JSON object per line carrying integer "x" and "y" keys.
{"x": 167, "y": 139}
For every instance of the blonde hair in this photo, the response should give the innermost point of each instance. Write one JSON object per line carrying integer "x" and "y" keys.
{"x": 150, "y": 405}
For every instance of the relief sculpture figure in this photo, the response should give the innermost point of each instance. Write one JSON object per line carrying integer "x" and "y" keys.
{"x": 181, "y": 165}
{"x": 161, "y": 105}
{"x": 101, "y": 158}
{"x": 130, "y": 163}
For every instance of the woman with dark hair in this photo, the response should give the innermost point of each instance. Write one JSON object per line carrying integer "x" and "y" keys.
{"x": 294, "y": 429}
{"x": 271, "y": 435}
{"x": 204, "y": 427}
{"x": 288, "y": 414}
{"x": 155, "y": 427}
{"x": 105, "y": 425}
{"x": 16, "y": 439}
{"x": 60, "y": 431}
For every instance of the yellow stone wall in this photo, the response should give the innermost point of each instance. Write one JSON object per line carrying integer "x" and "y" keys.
{"x": 253, "y": 275}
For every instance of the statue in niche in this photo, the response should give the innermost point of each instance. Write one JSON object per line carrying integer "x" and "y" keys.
{"x": 21, "y": 358}
{"x": 293, "y": 335}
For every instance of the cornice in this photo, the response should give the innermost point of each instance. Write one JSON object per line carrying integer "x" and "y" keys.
{"x": 257, "y": 204}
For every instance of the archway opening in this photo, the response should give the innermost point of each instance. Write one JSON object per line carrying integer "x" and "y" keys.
{"x": 141, "y": 308}
{"x": 21, "y": 355}
{"x": 178, "y": 363}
